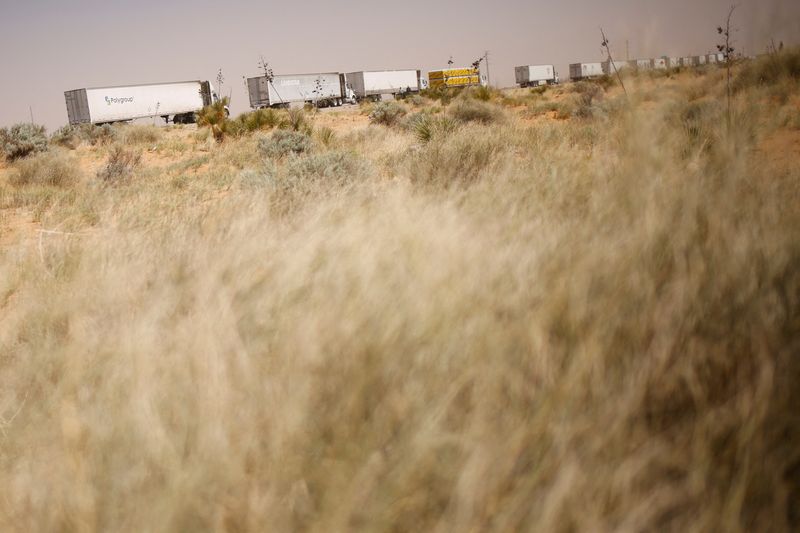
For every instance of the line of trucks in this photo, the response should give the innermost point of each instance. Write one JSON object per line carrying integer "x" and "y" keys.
{"x": 581, "y": 71}
{"x": 179, "y": 101}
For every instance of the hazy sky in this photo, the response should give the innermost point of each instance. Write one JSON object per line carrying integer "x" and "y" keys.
{"x": 49, "y": 46}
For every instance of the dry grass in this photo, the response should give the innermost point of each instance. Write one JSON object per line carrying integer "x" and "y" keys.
{"x": 139, "y": 134}
{"x": 121, "y": 163}
{"x": 566, "y": 325}
{"x": 53, "y": 168}
{"x": 475, "y": 110}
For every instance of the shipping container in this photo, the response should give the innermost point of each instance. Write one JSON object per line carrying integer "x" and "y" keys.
{"x": 579, "y": 71}
{"x": 101, "y": 105}
{"x": 454, "y": 77}
{"x": 699, "y": 60}
{"x": 374, "y": 83}
{"x": 687, "y": 61}
{"x": 644, "y": 64}
{"x": 535, "y": 75}
{"x": 660, "y": 63}
{"x": 673, "y": 62}
{"x": 323, "y": 89}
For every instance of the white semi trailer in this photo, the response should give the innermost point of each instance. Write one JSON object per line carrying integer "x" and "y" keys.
{"x": 535, "y": 75}
{"x": 580, "y": 71}
{"x": 376, "y": 84}
{"x": 175, "y": 100}
{"x": 610, "y": 68}
{"x": 323, "y": 90}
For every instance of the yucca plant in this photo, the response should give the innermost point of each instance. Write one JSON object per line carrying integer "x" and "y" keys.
{"x": 215, "y": 118}
{"x": 426, "y": 126}
{"x": 326, "y": 135}
{"x": 296, "y": 120}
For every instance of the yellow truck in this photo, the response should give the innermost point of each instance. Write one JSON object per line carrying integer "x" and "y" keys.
{"x": 454, "y": 77}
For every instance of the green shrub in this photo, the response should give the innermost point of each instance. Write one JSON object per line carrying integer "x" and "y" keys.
{"x": 296, "y": 121}
{"x": 236, "y": 128}
{"x": 97, "y": 135}
{"x": 443, "y": 94}
{"x": 309, "y": 176}
{"x": 334, "y": 167}
{"x": 387, "y": 113}
{"x": 21, "y": 140}
{"x": 284, "y": 142}
{"x": 469, "y": 110}
{"x": 120, "y": 165}
{"x": 66, "y": 136}
{"x": 482, "y": 93}
{"x": 260, "y": 119}
{"x": 427, "y": 126}
{"x": 52, "y": 168}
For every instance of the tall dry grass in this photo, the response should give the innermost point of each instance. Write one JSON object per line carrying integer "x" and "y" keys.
{"x": 567, "y": 325}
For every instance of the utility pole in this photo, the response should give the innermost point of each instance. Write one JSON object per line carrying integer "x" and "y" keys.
{"x": 488, "y": 77}
{"x": 627, "y": 51}
{"x": 604, "y": 44}
{"x": 30, "y": 108}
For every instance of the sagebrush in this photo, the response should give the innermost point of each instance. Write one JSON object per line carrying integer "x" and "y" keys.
{"x": 21, "y": 140}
